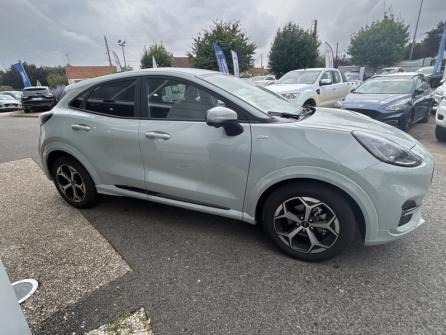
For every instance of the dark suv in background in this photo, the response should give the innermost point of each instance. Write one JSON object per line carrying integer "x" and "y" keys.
{"x": 38, "y": 97}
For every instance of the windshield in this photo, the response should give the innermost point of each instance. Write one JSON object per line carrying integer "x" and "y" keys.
{"x": 388, "y": 70}
{"x": 386, "y": 86}
{"x": 260, "y": 98}
{"x": 300, "y": 77}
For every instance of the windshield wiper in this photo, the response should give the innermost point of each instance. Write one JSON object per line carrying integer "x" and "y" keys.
{"x": 306, "y": 111}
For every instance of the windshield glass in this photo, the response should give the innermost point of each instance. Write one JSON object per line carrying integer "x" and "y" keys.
{"x": 386, "y": 86}
{"x": 260, "y": 98}
{"x": 300, "y": 77}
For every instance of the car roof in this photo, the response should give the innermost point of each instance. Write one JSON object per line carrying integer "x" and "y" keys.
{"x": 34, "y": 87}
{"x": 399, "y": 75}
{"x": 161, "y": 71}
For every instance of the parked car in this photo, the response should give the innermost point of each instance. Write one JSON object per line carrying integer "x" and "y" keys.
{"x": 8, "y": 103}
{"x": 439, "y": 94}
{"x": 313, "y": 87}
{"x": 390, "y": 70}
{"x": 15, "y": 94}
{"x": 37, "y": 98}
{"x": 310, "y": 176}
{"x": 400, "y": 99}
{"x": 440, "y": 120}
{"x": 263, "y": 80}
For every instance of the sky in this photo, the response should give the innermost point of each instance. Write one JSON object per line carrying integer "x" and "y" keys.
{"x": 54, "y": 32}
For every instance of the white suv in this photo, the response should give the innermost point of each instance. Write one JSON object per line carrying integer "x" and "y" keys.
{"x": 440, "y": 120}
{"x": 211, "y": 142}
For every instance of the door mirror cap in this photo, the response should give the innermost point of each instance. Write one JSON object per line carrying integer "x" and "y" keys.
{"x": 325, "y": 81}
{"x": 219, "y": 116}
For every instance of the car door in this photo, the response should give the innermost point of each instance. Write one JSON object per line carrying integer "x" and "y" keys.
{"x": 340, "y": 88}
{"x": 102, "y": 125}
{"x": 327, "y": 91}
{"x": 184, "y": 158}
{"x": 422, "y": 99}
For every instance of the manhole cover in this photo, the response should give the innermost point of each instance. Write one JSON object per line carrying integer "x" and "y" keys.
{"x": 25, "y": 288}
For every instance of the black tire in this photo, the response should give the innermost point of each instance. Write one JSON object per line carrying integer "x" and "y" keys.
{"x": 309, "y": 103}
{"x": 330, "y": 197}
{"x": 26, "y": 110}
{"x": 428, "y": 115}
{"x": 407, "y": 123}
{"x": 89, "y": 197}
{"x": 440, "y": 134}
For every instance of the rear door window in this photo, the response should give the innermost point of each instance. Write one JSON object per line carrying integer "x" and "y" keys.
{"x": 114, "y": 99}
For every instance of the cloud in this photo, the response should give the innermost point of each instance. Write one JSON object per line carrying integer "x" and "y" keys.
{"x": 44, "y": 31}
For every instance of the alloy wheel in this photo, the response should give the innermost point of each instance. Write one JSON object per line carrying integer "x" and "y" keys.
{"x": 306, "y": 224}
{"x": 70, "y": 183}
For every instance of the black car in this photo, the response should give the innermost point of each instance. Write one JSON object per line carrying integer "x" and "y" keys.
{"x": 37, "y": 98}
{"x": 399, "y": 99}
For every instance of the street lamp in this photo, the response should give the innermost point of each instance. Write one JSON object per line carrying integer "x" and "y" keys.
{"x": 122, "y": 45}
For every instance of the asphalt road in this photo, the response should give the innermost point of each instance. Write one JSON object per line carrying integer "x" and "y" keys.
{"x": 200, "y": 274}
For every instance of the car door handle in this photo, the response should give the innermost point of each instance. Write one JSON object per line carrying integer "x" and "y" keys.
{"x": 83, "y": 127}
{"x": 157, "y": 135}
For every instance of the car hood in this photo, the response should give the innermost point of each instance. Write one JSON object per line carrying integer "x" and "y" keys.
{"x": 287, "y": 88}
{"x": 345, "y": 120}
{"x": 372, "y": 99}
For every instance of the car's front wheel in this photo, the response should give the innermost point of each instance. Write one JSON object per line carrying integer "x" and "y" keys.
{"x": 73, "y": 182}
{"x": 309, "y": 221}
{"x": 440, "y": 133}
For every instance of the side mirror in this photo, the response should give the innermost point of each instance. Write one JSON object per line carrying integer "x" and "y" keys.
{"x": 220, "y": 116}
{"x": 418, "y": 91}
{"x": 353, "y": 90}
{"x": 325, "y": 81}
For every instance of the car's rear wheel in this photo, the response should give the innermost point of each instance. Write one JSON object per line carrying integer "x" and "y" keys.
{"x": 440, "y": 133}
{"x": 73, "y": 182}
{"x": 427, "y": 117}
{"x": 27, "y": 110}
{"x": 309, "y": 221}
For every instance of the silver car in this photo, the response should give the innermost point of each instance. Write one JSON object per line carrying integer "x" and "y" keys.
{"x": 211, "y": 142}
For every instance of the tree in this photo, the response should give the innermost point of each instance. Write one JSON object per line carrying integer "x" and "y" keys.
{"x": 229, "y": 36}
{"x": 57, "y": 78}
{"x": 163, "y": 58}
{"x": 428, "y": 47}
{"x": 293, "y": 48}
{"x": 35, "y": 73}
{"x": 380, "y": 43}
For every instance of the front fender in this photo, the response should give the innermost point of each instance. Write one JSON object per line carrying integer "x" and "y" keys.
{"x": 306, "y": 95}
{"x": 334, "y": 178}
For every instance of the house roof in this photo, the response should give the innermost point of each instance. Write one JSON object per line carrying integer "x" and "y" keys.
{"x": 181, "y": 62}
{"x": 84, "y": 72}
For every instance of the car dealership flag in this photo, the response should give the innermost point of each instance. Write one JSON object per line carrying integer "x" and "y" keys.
{"x": 21, "y": 70}
{"x": 117, "y": 62}
{"x": 235, "y": 63}
{"x": 221, "y": 60}
{"x": 328, "y": 56}
{"x": 154, "y": 62}
{"x": 439, "y": 58}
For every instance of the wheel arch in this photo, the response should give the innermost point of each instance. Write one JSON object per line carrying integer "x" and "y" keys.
{"x": 362, "y": 219}
{"x": 52, "y": 155}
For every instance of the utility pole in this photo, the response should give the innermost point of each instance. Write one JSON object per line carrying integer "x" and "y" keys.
{"x": 336, "y": 57}
{"x": 415, "y": 32}
{"x": 68, "y": 58}
{"x": 108, "y": 51}
{"x": 315, "y": 29}
{"x": 122, "y": 45}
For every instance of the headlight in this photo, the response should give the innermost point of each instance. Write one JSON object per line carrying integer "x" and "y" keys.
{"x": 291, "y": 95}
{"x": 400, "y": 106}
{"x": 386, "y": 150}
{"x": 338, "y": 103}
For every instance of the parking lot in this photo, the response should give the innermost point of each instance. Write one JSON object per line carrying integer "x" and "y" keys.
{"x": 200, "y": 274}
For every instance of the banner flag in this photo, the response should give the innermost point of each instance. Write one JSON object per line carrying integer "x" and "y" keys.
{"x": 221, "y": 60}
{"x": 154, "y": 62}
{"x": 117, "y": 62}
{"x": 21, "y": 70}
{"x": 439, "y": 58}
{"x": 328, "y": 56}
{"x": 235, "y": 63}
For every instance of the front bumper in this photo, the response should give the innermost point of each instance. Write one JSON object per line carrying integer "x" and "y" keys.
{"x": 5, "y": 108}
{"x": 391, "y": 188}
{"x": 396, "y": 118}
